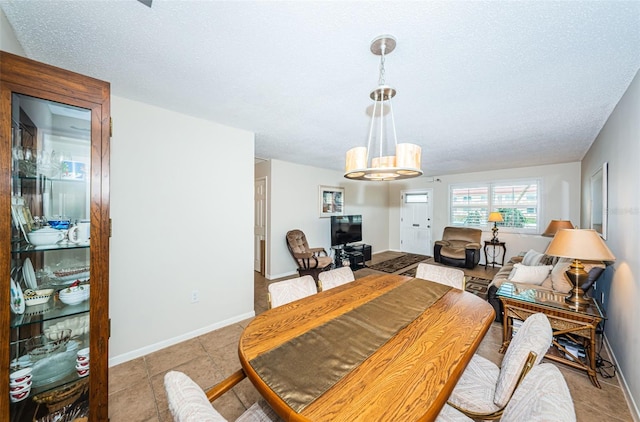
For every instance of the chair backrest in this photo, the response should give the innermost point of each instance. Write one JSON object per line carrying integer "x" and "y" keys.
{"x": 297, "y": 241}
{"x": 543, "y": 396}
{"x": 334, "y": 278}
{"x": 468, "y": 234}
{"x": 444, "y": 275}
{"x": 534, "y": 335}
{"x": 187, "y": 401}
{"x": 282, "y": 292}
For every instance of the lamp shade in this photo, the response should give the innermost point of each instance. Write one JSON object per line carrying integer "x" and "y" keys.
{"x": 556, "y": 225}
{"x": 495, "y": 217}
{"x": 583, "y": 244}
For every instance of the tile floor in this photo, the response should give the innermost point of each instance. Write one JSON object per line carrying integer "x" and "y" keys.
{"x": 211, "y": 357}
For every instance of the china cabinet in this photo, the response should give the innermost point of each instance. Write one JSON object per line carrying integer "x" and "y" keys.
{"x": 54, "y": 234}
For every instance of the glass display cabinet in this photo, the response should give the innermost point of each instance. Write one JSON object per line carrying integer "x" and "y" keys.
{"x": 55, "y": 227}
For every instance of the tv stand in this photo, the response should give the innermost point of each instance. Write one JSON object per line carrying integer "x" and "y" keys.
{"x": 357, "y": 254}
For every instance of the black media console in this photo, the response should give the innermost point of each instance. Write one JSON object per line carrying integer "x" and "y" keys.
{"x": 357, "y": 254}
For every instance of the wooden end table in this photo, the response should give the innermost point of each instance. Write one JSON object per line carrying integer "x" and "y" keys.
{"x": 495, "y": 253}
{"x": 577, "y": 325}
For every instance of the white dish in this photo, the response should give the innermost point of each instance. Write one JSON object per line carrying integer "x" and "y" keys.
{"x": 29, "y": 274}
{"x": 17, "y": 299}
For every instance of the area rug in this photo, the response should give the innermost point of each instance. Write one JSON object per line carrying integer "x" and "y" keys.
{"x": 476, "y": 285}
{"x": 396, "y": 264}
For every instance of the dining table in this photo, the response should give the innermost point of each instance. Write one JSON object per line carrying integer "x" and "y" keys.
{"x": 384, "y": 347}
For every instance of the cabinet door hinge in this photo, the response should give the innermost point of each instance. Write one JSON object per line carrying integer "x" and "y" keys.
{"x": 109, "y": 333}
{"x": 110, "y": 127}
{"x": 110, "y": 227}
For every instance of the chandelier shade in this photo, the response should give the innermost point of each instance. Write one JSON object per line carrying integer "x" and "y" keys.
{"x": 406, "y": 161}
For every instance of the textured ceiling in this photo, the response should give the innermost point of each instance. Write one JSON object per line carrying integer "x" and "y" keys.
{"x": 481, "y": 85}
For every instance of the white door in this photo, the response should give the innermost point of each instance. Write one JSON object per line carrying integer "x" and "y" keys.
{"x": 415, "y": 222}
{"x": 260, "y": 224}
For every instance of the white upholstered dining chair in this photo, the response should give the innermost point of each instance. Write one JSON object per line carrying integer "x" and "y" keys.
{"x": 282, "y": 292}
{"x": 444, "y": 275}
{"x": 334, "y": 278}
{"x": 543, "y": 396}
{"x": 484, "y": 389}
{"x": 189, "y": 403}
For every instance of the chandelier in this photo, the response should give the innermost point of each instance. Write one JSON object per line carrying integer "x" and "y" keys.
{"x": 406, "y": 161}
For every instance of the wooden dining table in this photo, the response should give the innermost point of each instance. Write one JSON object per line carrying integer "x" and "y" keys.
{"x": 382, "y": 348}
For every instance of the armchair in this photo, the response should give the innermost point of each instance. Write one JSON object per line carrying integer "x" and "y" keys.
{"x": 310, "y": 261}
{"x": 459, "y": 247}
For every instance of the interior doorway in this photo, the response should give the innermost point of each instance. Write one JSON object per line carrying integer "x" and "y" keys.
{"x": 260, "y": 225}
{"x": 415, "y": 221}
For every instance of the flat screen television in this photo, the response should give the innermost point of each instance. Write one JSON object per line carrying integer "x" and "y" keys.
{"x": 346, "y": 229}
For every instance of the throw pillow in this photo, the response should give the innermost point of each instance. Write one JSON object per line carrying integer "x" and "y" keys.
{"x": 532, "y": 257}
{"x": 559, "y": 279}
{"x": 535, "y": 274}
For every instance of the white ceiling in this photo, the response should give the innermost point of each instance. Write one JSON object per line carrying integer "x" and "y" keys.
{"x": 481, "y": 85}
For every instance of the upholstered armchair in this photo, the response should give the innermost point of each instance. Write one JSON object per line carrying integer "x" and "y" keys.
{"x": 459, "y": 247}
{"x": 310, "y": 261}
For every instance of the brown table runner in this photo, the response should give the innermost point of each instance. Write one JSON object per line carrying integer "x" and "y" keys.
{"x": 302, "y": 369}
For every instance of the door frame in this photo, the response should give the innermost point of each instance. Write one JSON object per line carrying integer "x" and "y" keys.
{"x": 266, "y": 225}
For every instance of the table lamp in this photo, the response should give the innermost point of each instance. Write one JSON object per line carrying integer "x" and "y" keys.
{"x": 556, "y": 225}
{"x": 578, "y": 244}
{"x": 495, "y": 217}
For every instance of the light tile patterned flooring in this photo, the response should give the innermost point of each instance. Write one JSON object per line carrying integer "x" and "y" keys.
{"x": 136, "y": 392}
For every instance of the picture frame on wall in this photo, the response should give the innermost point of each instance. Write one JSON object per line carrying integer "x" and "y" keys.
{"x": 331, "y": 201}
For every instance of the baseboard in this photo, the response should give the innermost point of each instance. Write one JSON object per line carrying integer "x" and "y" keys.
{"x": 134, "y": 354}
{"x": 633, "y": 406}
{"x": 275, "y": 276}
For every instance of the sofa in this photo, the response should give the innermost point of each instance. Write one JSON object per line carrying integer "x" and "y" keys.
{"x": 534, "y": 269}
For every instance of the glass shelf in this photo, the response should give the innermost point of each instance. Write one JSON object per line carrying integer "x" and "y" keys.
{"x": 51, "y": 310}
{"x": 23, "y": 247}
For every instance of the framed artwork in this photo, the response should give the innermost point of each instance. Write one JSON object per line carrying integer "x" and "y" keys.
{"x": 599, "y": 206}
{"x": 331, "y": 201}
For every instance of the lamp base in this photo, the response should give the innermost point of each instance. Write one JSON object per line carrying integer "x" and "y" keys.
{"x": 577, "y": 276}
{"x": 495, "y": 234}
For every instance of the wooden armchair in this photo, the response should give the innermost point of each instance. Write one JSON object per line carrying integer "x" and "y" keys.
{"x": 310, "y": 261}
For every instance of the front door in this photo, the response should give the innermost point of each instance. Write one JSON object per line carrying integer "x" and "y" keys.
{"x": 415, "y": 222}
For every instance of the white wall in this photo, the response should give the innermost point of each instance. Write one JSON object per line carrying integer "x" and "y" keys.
{"x": 619, "y": 144}
{"x": 8, "y": 40}
{"x": 294, "y": 203}
{"x": 560, "y": 200}
{"x": 182, "y": 210}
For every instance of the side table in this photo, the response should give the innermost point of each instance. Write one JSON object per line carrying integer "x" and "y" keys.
{"x": 568, "y": 322}
{"x": 495, "y": 254}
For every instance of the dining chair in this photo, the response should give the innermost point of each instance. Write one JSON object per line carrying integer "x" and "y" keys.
{"x": 484, "y": 389}
{"x": 282, "y": 292}
{"x": 189, "y": 403}
{"x": 444, "y": 275}
{"x": 543, "y": 396}
{"x": 334, "y": 278}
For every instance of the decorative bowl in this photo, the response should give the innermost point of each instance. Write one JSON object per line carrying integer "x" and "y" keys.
{"x": 74, "y": 295}
{"x": 37, "y": 297}
{"x": 46, "y": 236}
{"x": 40, "y": 346}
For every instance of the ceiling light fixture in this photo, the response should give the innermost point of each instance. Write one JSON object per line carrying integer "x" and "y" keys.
{"x": 406, "y": 161}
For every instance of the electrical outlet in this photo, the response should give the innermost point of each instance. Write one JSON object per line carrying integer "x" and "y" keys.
{"x": 195, "y": 296}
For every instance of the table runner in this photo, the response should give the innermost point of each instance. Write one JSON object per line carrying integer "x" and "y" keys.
{"x": 303, "y": 368}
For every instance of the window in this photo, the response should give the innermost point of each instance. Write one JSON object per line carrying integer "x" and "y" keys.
{"x": 518, "y": 202}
